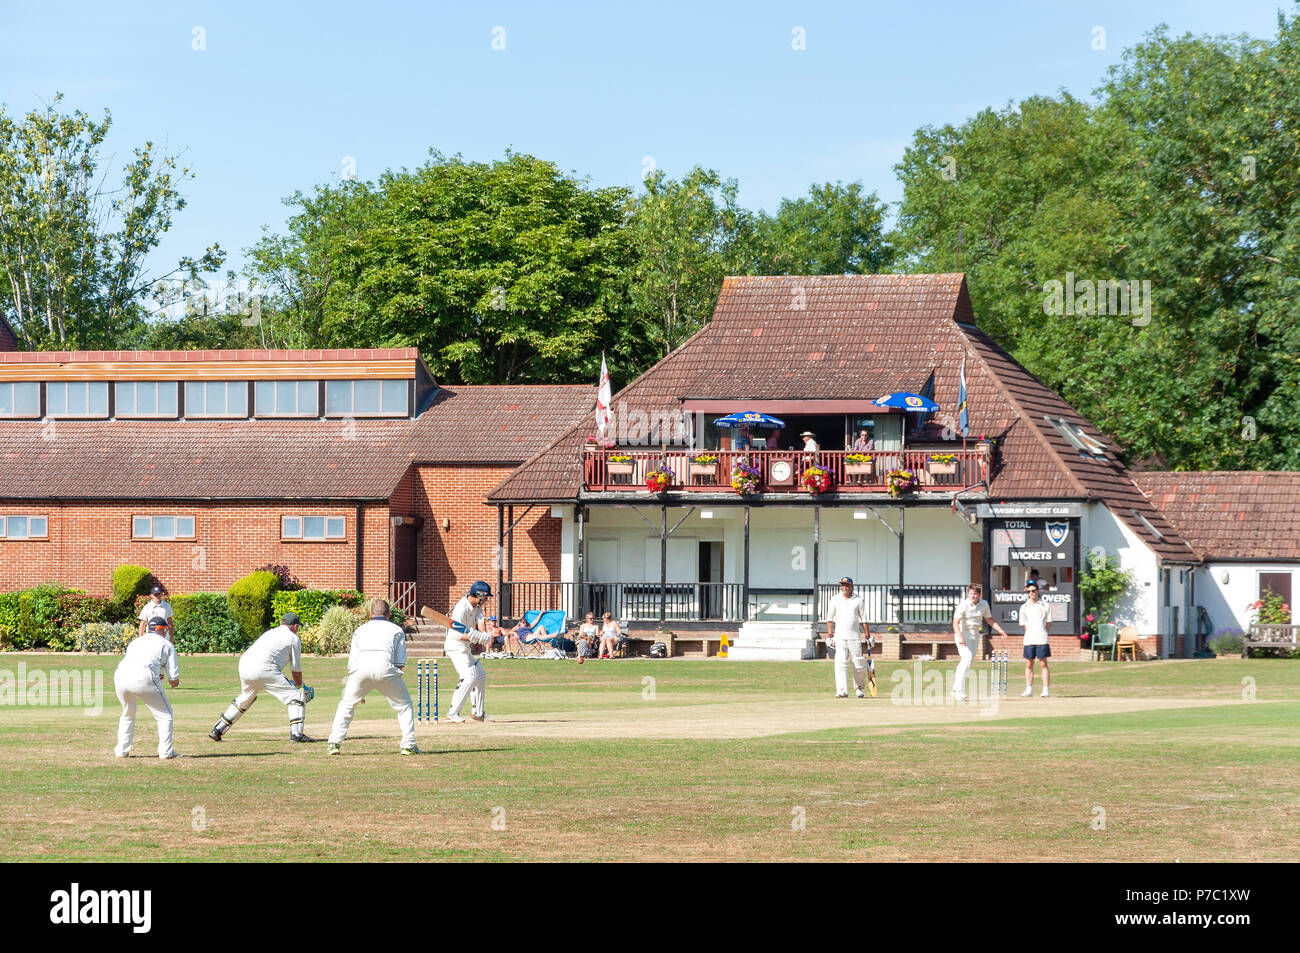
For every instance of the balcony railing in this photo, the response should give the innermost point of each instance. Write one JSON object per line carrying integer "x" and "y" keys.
{"x": 779, "y": 471}
{"x": 724, "y": 601}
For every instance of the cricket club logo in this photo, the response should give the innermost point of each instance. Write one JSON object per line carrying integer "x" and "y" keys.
{"x": 1056, "y": 532}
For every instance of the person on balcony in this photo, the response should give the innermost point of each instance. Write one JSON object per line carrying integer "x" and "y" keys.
{"x": 864, "y": 442}
{"x": 809, "y": 442}
{"x": 743, "y": 440}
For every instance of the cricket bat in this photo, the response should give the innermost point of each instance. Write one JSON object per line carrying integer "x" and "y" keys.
{"x": 433, "y": 615}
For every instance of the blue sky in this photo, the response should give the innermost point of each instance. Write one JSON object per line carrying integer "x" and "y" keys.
{"x": 281, "y": 95}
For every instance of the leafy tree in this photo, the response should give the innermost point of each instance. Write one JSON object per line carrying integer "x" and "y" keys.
{"x": 502, "y": 272}
{"x": 686, "y": 236}
{"x": 835, "y": 230}
{"x": 72, "y": 252}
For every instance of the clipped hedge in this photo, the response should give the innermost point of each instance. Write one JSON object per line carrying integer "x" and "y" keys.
{"x": 129, "y": 582}
{"x": 250, "y": 602}
{"x": 204, "y": 623}
{"x": 311, "y": 604}
{"x": 9, "y": 614}
{"x": 108, "y": 638}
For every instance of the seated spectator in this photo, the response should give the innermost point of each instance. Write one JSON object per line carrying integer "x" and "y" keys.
{"x": 864, "y": 442}
{"x": 586, "y": 640}
{"x": 610, "y": 637}
{"x": 523, "y": 632}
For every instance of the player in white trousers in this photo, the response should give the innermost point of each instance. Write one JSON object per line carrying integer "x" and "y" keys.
{"x": 138, "y": 678}
{"x": 375, "y": 663}
{"x": 465, "y": 632}
{"x": 846, "y": 613}
{"x": 261, "y": 669}
{"x": 966, "y": 620}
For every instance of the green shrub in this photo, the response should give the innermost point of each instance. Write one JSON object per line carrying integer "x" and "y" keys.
{"x": 250, "y": 602}
{"x": 334, "y": 635}
{"x": 1228, "y": 641}
{"x": 77, "y": 609}
{"x": 9, "y": 613}
{"x": 310, "y": 604}
{"x": 309, "y": 636}
{"x": 204, "y": 624}
{"x": 129, "y": 582}
{"x": 396, "y": 615}
{"x": 109, "y": 638}
{"x": 42, "y": 617}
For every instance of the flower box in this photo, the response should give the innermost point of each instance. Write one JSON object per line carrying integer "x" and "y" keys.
{"x": 942, "y": 469}
{"x": 707, "y": 470}
{"x": 619, "y": 469}
{"x": 865, "y": 469}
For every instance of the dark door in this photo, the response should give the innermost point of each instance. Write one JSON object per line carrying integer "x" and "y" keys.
{"x": 404, "y": 553}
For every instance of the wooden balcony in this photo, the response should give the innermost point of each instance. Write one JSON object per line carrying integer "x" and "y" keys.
{"x": 779, "y": 471}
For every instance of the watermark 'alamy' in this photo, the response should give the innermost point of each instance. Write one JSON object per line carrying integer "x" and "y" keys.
{"x": 73, "y": 906}
{"x": 1108, "y": 296}
{"x": 61, "y": 687}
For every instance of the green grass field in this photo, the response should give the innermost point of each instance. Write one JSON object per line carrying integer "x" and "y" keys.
{"x": 678, "y": 760}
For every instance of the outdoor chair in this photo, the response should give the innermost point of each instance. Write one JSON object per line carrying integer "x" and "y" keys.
{"x": 554, "y": 622}
{"x": 1105, "y": 639}
{"x": 1127, "y": 642}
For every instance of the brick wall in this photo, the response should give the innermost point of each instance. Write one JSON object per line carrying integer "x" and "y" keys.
{"x": 452, "y": 558}
{"x": 8, "y": 342}
{"x": 88, "y": 539}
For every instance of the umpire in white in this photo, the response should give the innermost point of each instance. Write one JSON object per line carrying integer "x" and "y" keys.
{"x": 375, "y": 663}
{"x": 261, "y": 669}
{"x": 463, "y": 635}
{"x": 138, "y": 678}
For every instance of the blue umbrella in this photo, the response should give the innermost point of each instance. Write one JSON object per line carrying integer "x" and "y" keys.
{"x": 750, "y": 419}
{"x": 906, "y": 401}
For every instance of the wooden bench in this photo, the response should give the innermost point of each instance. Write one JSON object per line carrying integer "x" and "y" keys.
{"x": 1269, "y": 635}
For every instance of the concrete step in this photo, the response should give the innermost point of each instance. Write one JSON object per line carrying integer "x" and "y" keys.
{"x": 774, "y": 641}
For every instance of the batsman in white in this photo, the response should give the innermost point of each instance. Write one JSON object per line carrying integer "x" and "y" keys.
{"x": 375, "y": 663}
{"x": 465, "y": 632}
{"x": 847, "y": 612}
{"x": 261, "y": 669}
{"x": 138, "y": 678}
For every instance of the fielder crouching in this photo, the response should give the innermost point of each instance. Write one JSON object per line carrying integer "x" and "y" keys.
{"x": 375, "y": 663}
{"x": 261, "y": 669}
{"x": 464, "y": 635}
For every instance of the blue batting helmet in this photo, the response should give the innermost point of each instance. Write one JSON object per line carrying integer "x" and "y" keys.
{"x": 480, "y": 588}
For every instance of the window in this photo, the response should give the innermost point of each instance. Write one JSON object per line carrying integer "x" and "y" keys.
{"x": 216, "y": 398}
{"x": 1277, "y": 583}
{"x": 146, "y": 398}
{"x": 162, "y": 527}
{"x": 76, "y": 399}
{"x": 366, "y": 398}
{"x": 20, "y": 399}
{"x": 287, "y": 399}
{"x": 310, "y": 528}
{"x": 24, "y": 527}
{"x": 1077, "y": 438}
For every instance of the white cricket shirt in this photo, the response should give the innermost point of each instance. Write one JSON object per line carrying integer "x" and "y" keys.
{"x": 274, "y": 649}
{"x": 1034, "y": 617}
{"x": 150, "y": 652}
{"x": 377, "y": 637}
{"x": 970, "y": 615}
{"x": 848, "y": 616}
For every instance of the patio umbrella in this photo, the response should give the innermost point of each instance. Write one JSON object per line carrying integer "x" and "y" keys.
{"x": 750, "y": 419}
{"x": 905, "y": 401}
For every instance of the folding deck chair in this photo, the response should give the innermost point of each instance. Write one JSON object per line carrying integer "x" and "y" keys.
{"x": 554, "y": 622}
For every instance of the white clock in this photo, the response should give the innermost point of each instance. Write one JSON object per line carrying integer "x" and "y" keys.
{"x": 780, "y": 471}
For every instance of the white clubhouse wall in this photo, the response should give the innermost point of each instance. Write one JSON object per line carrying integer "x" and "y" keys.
{"x": 622, "y": 548}
{"x": 1226, "y": 601}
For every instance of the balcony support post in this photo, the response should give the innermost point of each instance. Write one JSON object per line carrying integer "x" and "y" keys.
{"x": 901, "y": 596}
{"x": 744, "y": 595}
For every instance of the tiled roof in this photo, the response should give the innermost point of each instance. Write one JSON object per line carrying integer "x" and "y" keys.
{"x": 280, "y": 459}
{"x": 1245, "y": 514}
{"x": 189, "y": 357}
{"x": 861, "y": 336}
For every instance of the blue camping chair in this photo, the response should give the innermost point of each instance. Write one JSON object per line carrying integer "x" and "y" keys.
{"x": 554, "y": 622}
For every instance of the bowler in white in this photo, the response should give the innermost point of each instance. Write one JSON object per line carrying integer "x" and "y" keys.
{"x": 375, "y": 663}
{"x": 138, "y": 678}
{"x": 846, "y": 614}
{"x": 966, "y": 620}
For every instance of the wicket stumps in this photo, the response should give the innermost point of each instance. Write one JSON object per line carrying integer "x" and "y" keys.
{"x": 998, "y": 673}
{"x": 426, "y": 681}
